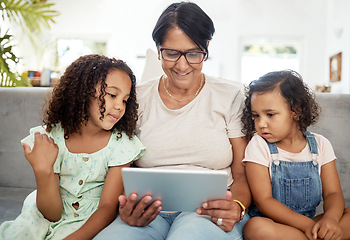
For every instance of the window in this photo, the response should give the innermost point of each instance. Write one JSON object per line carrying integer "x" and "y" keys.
{"x": 68, "y": 50}
{"x": 259, "y": 56}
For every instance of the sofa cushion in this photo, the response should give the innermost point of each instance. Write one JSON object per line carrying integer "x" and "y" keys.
{"x": 20, "y": 110}
{"x": 11, "y": 201}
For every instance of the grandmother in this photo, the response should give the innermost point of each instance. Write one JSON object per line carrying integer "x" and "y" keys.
{"x": 187, "y": 120}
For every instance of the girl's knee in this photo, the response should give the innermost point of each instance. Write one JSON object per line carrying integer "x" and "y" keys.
{"x": 257, "y": 228}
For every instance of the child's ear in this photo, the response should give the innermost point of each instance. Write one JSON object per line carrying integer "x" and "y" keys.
{"x": 296, "y": 112}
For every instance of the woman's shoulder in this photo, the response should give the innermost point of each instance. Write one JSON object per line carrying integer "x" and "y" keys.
{"x": 224, "y": 83}
{"x": 144, "y": 89}
{"x": 224, "y": 87}
{"x": 147, "y": 84}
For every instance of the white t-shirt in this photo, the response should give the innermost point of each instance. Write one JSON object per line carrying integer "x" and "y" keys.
{"x": 195, "y": 136}
{"x": 258, "y": 151}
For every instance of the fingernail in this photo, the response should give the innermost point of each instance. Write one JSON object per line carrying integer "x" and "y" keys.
{"x": 205, "y": 205}
{"x": 133, "y": 196}
{"x": 148, "y": 199}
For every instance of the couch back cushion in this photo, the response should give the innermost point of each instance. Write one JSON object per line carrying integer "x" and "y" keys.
{"x": 20, "y": 110}
{"x": 334, "y": 125}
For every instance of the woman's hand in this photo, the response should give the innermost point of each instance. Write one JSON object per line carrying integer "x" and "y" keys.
{"x": 228, "y": 210}
{"x": 140, "y": 215}
{"x": 44, "y": 153}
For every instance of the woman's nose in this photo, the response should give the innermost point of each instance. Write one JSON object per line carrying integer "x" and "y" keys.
{"x": 182, "y": 62}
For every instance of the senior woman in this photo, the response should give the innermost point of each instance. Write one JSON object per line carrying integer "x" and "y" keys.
{"x": 187, "y": 120}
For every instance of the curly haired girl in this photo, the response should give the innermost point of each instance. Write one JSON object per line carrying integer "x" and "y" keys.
{"x": 289, "y": 169}
{"x": 87, "y": 137}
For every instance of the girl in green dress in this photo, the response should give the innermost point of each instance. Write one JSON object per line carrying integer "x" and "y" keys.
{"x": 87, "y": 137}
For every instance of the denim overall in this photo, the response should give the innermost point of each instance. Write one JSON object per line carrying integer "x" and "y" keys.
{"x": 295, "y": 184}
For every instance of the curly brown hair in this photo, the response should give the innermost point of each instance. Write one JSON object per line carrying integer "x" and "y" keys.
{"x": 297, "y": 94}
{"x": 70, "y": 101}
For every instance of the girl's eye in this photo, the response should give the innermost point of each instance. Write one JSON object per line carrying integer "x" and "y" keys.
{"x": 270, "y": 114}
{"x": 111, "y": 95}
{"x": 254, "y": 116}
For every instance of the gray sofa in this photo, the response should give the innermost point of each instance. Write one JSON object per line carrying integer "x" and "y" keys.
{"x": 20, "y": 109}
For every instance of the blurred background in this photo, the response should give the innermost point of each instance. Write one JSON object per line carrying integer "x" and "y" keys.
{"x": 252, "y": 37}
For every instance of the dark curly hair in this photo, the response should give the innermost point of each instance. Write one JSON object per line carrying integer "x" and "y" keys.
{"x": 297, "y": 94}
{"x": 70, "y": 101}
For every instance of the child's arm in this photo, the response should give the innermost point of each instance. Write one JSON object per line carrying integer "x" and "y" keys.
{"x": 108, "y": 206}
{"x": 260, "y": 185}
{"x": 42, "y": 158}
{"x": 333, "y": 204}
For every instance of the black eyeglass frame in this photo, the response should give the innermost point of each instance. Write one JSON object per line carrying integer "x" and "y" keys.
{"x": 183, "y": 54}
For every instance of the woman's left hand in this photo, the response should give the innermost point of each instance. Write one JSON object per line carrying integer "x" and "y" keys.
{"x": 227, "y": 210}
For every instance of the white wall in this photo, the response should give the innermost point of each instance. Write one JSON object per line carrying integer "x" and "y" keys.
{"x": 301, "y": 19}
{"x": 338, "y": 40}
{"x": 127, "y": 27}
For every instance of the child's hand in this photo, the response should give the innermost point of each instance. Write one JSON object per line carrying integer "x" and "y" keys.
{"x": 44, "y": 153}
{"x": 327, "y": 228}
{"x": 308, "y": 230}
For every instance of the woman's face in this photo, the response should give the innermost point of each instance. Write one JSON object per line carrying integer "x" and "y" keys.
{"x": 181, "y": 74}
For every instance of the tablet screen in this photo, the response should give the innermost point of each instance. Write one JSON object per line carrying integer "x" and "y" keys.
{"x": 179, "y": 190}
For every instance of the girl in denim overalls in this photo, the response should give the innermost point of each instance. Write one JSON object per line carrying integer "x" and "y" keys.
{"x": 288, "y": 168}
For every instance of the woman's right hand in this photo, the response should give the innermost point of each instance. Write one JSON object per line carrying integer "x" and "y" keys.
{"x": 140, "y": 215}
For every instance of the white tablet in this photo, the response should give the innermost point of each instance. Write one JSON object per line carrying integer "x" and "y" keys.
{"x": 179, "y": 190}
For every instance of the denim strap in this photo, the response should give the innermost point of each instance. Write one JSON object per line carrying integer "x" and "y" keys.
{"x": 273, "y": 152}
{"x": 310, "y": 138}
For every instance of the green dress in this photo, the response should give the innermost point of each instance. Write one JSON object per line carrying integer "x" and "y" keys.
{"x": 82, "y": 177}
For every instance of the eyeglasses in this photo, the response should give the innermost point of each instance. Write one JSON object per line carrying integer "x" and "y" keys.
{"x": 192, "y": 57}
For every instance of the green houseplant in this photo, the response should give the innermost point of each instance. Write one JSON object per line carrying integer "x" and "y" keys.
{"x": 31, "y": 16}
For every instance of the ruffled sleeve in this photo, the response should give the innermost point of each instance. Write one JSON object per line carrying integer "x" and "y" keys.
{"x": 56, "y": 134}
{"x": 125, "y": 150}
{"x": 30, "y": 138}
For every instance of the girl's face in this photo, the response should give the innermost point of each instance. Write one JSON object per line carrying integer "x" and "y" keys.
{"x": 117, "y": 93}
{"x": 181, "y": 74}
{"x": 273, "y": 118}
